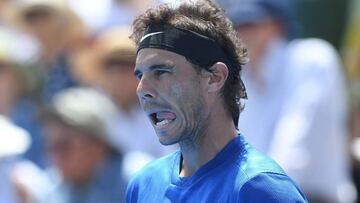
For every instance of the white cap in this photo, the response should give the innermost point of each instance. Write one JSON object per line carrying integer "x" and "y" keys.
{"x": 87, "y": 109}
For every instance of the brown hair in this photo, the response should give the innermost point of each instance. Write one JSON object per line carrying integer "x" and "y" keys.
{"x": 208, "y": 19}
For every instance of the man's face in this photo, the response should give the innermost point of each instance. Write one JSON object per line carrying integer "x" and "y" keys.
{"x": 76, "y": 155}
{"x": 172, "y": 94}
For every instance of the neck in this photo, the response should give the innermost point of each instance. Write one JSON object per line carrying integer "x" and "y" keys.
{"x": 196, "y": 153}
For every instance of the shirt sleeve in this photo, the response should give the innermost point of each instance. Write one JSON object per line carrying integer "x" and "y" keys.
{"x": 271, "y": 188}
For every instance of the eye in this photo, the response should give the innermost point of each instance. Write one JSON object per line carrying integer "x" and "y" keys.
{"x": 160, "y": 72}
{"x": 138, "y": 76}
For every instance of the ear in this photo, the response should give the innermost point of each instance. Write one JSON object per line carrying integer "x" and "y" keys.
{"x": 217, "y": 77}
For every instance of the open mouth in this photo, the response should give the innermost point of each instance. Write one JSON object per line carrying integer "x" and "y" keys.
{"x": 162, "y": 118}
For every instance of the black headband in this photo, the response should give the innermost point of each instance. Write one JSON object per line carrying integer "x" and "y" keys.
{"x": 199, "y": 49}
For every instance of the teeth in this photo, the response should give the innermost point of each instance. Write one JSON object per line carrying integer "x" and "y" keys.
{"x": 163, "y": 122}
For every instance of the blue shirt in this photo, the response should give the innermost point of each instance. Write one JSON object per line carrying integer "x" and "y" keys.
{"x": 238, "y": 173}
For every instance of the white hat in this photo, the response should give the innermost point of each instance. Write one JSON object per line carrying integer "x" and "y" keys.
{"x": 14, "y": 140}
{"x": 87, "y": 109}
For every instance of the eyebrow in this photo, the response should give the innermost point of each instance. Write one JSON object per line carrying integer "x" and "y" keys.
{"x": 154, "y": 67}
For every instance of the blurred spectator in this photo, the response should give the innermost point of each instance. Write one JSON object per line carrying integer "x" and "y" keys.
{"x": 16, "y": 79}
{"x": 17, "y": 82}
{"x": 112, "y": 68}
{"x": 60, "y": 32}
{"x": 11, "y": 76}
{"x": 351, "y": 53}
{"x": 82, "y": 148}
{"x": 297, "y": 107}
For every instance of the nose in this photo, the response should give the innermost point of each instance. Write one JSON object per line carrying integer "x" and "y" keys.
{"x": 145, "y": 89}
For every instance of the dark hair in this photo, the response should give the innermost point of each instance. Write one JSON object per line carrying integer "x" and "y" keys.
{"x": 208, "y": 19}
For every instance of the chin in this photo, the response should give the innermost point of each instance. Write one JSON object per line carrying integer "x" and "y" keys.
{"x": 164, "y": 140}
{"x": 167, "y": 142}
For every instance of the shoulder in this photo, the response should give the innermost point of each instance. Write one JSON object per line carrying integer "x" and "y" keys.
{"x": 156, "y": 171}
{"x": 271, "y": 187}
{"x": 260, "y": 179}
{"x": 256, "y": 163}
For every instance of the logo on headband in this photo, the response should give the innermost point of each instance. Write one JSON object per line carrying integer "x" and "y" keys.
{"x": 148, "y": 35}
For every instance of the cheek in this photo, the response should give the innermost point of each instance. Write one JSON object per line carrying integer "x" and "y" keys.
{"x": 188, "y": 97}
{"x": 181, "y": 92}
{"x": 176, "y": 91}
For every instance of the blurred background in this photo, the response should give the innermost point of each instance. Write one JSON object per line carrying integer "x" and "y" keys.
{"x": 71, "y": 129}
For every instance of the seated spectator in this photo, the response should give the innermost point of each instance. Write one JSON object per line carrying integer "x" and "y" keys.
{"x": 17, "y": 84}
{"x": 80, "y": 145}
{"x": 60, "y": 32}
